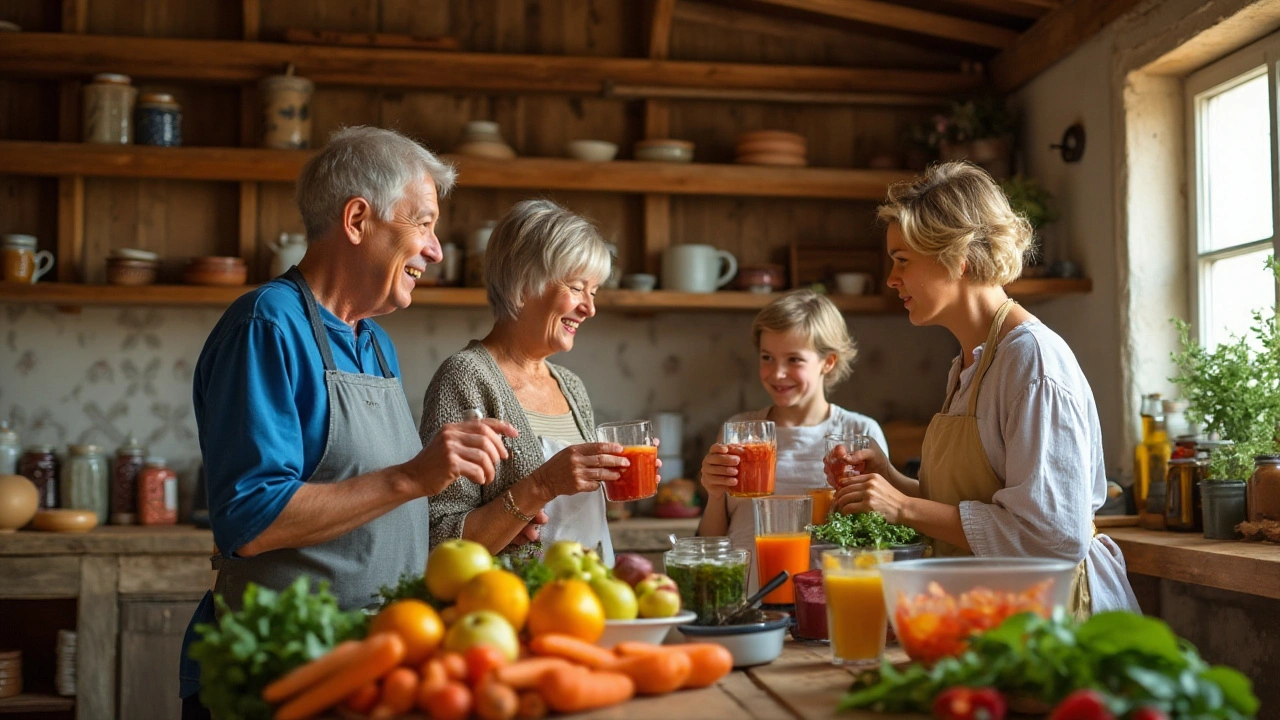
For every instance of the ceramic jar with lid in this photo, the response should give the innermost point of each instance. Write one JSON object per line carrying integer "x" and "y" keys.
{"x": 1263, "y": 493}
{"x": 20, "y": 261}
{"x": 85, "y": 481}
{"x": 10, "y": 450}
{"x": 108, "y": 109}
{"x": 286, "y": 107}
{"x": 157, "y": 494}
{"x": 159, "y": 120}
{"x": 130, "y": 459}
{"x": 41, "y": 466}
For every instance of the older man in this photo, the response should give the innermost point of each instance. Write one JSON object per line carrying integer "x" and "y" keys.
{"x": 312, "y": 460}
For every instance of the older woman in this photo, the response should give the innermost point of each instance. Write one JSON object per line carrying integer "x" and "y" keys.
{"x": 542, "y": 267}
{"x": 1012, "y": 465}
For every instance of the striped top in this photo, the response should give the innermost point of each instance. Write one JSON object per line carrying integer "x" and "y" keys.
{"x": 563, "y": 428}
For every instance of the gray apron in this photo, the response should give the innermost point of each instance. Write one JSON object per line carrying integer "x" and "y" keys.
{"x": 370, "y": 428}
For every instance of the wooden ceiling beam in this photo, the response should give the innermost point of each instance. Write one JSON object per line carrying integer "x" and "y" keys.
{"x": 1028, "y": 9}
{"x": 1052, "y": 38}
{"x": 892, "y": 15}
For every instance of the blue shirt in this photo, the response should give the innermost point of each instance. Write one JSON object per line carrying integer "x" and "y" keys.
{"x": 262, "y": 409}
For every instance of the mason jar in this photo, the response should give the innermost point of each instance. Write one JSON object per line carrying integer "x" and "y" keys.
{"x": 10, "y": 450}
{"x": 108, "y": 109}
{"x": 1263, "y": 491}
{"x": 85, "y": 481}
{"x": 711, "y": 575}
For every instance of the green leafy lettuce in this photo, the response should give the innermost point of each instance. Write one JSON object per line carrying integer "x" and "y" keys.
{"x": 862, "y": 530}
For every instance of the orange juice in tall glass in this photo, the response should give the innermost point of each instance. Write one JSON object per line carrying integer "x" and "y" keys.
{"x": 782, "y": 543}
{"x": 857, "y": 622}
{"x": 755, "y": 443}
{"x": 822, "y": 499}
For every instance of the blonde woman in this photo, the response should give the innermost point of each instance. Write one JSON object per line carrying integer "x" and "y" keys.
{"x": 805, "y": 350}
{"x": 1012, "y": 465}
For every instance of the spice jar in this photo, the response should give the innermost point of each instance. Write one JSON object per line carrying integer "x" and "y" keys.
{"x": 1263, "y": 493}
{"x": 1182, "y": 510}
{"x": 711, "y": 575}
{"x": 10, "y": 450}
{"x": 157, "y": 494}
{"x": 130, "y": 459}
{"x": 159, "y": 120}
{"x": 41, "y": 466}
{"x": 85, "y": 480}
{"x": 286, "y": 107}
{"x": 108, "y": 109}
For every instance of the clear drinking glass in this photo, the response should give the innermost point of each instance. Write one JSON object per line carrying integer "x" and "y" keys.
{"x": 782, "y": 543}
{"x": 857, "y": 621}
{"x": 755, "y": 443}
{"x": 839, "y": 447}
{"x": 640, "y": 479}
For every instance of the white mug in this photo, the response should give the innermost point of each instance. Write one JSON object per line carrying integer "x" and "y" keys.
{"x": 696, "y": 268}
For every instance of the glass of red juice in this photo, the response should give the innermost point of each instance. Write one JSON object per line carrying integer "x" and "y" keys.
{"x": 640, "y": 479}
{"x": 756, "y": 445}
{"x": 839, "y": 447}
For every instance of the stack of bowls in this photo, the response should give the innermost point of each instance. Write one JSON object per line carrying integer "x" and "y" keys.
{"x": 481, "y": 138}
{"x": 772, "y": 147}
{"x": 127, "y": 266}
{"x": 66, "y": 653}
{"x": 215, "y": 270}
{"x": 664, "y": 150}
{"x": 10, "y": 673}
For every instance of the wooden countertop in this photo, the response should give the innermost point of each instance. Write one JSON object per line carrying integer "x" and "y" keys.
{"x": 1247, "y": 567}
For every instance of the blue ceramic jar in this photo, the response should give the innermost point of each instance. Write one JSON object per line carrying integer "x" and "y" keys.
{"x": 158, "y": 121}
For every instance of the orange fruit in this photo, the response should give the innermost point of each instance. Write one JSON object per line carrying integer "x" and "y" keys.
{"x": 569, "y": 607}
{"x": 497, "y": 590}
{"x": 417, "y": 624}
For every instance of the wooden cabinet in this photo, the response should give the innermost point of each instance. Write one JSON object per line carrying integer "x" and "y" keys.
{"x": 151, "y": 633}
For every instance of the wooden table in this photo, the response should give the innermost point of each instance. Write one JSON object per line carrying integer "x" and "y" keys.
{"x": 1246, "y": 567}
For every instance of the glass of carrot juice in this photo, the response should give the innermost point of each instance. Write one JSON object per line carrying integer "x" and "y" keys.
{"x": 782, "y": 542}
{"x": 857, "y": 621}
{"x": 756, "y": 445}
{"x": 640, "y": 479}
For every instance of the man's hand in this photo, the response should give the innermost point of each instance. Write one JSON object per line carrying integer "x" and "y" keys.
{"x": 470, "y": 450}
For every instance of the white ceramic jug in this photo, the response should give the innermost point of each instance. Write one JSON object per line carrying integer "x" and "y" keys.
{"x": 288, "y": 252}
{"x": 696, "y": 268}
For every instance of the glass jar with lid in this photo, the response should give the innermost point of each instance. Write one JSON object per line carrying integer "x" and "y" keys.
{"x": 10, "y": 450}
{"x": 39, "y": 465}
{"x": 711, "y": 575}
{"x": 159, "y": 120}
{"x": 1182, "y": 510}
{"x": 108, "y": 109}
{"x": 157, "y": 494}
{"x": 130, "y": 459}
{"x": 1263, "y": 491}
{"x": 85, "y": 480}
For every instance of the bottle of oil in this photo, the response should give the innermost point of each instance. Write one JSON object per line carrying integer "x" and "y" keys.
{"x": 1154, "y": 437}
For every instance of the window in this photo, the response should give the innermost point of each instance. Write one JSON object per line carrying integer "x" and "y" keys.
{"x": 1233, "y": 154}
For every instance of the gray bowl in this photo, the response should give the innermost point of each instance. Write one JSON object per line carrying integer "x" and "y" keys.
{"x": 750, "y": 644}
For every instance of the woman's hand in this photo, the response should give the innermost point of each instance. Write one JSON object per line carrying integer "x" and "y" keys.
{"x": 840, "y": 465}
{"x": 861, "y": 493}
{"x": 579, "y": 468}
{"x": 719, "y": 470}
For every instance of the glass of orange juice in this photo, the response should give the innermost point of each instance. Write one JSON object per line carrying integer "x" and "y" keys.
{"x": 755, "y": 443}
{"x": 640, "y": 479}
{"x": 839, "y": 447}
{"x": 782, "y": 542}
{"x": 822, "y": 499}
{"x": 857, "y": 621}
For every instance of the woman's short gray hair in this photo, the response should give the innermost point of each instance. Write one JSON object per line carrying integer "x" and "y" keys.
{"x": 373, "y": 163}
{"x": 535, "y": 244}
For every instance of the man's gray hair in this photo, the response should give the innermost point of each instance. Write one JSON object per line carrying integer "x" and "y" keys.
{"x": 373, "y": 163}
{"x": 535, "y": 244}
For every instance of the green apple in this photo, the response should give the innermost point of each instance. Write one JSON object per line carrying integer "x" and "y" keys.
{"x": 660, "y": 603}
{"x": 483, "y": 627}
{"x": 564, "y": 559}
{"x": 617, "y": 597}
{"x": 452, "y": 564}
{"x": 593, "y": 567}
{"x": 655, "y": 581}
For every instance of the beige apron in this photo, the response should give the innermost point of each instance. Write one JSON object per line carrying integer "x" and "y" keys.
{"x": 955, "y": 468}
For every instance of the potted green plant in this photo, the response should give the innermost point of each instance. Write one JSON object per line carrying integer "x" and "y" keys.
{"x": 979, "y": 130}
{"x": 1031, "y": 200}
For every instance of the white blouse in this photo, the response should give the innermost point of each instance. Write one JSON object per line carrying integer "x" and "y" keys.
{"x": 1039, "y": 426}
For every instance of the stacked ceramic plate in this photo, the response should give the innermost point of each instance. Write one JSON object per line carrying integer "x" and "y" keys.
{"x": 66, "y": 670}
{"x": 772, "y": 147}
{"x": 10, "y": 673}
{"x": 481, "y": 138}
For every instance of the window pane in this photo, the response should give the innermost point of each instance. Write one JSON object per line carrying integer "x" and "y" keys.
{"x": 1234, "y": 288}
{"x": 1236, "y": 141}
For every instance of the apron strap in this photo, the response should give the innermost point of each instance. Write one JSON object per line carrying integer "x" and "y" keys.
{"x": 988, "y": 352}
{"x": 313, "y": 315}
{"x": 382, "y": 360}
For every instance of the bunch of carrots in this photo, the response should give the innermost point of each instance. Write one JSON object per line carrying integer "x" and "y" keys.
{"x": 562, "y": 674}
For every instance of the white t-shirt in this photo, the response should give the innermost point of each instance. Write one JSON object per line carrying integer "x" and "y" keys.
{"x": 799, "y": 468}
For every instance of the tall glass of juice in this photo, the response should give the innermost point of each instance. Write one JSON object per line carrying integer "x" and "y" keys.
{"x": 839, "y": 447}
{"x": 755, "y": 443}
{"x": 782, "y": 543}
{"x": 639, "y": 479}
{"x": 857, "y": 622}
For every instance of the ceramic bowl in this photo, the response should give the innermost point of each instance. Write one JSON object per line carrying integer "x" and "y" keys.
{"x": 751, "y": 644}
{"x": 66, "y": 521}
{"x": 122, "y": 271}
{"x": 591, "y": 150}
{"x": 775, "y": 136}
{"x": 778, "y": 147}
{"x": 760, "y": 278}
{"x": 853, "y": 283}
{"x": 649, "y": 630}
{"x": 772, "y": 159}
{"x": 488, "y": 149}
{"x": 215, "y": 271}
{"x": 664, "y": 150}
{"x": 640, "y": 282}
{"x": 19, "y": 500}
{"x": 134, "y": 254}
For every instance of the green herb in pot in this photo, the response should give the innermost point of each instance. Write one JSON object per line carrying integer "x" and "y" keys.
{"x": 863, "y": 530}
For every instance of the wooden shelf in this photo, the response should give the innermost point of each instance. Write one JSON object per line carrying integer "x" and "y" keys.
{"x": 251, "y": 164}
{"x": 75, "y": 294}
{"x": 36, "y": 702}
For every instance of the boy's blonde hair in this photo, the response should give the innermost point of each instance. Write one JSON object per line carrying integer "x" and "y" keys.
{"x": 815, "y": 317}
{"x": 956, "y": 213}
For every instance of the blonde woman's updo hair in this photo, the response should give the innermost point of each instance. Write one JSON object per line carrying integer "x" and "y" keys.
{"x": 815, "y": 317}
{"x": 535, "y": 244}
{"x": 956, "y": 213}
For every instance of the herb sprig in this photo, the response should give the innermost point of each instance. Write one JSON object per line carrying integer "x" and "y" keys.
{"x": 863, "y": 530}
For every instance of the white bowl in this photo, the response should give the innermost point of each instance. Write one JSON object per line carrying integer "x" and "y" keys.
{"x": 591, "y": 150}
{"x": 752, "y": 644}
{"x": 650, "y": 630}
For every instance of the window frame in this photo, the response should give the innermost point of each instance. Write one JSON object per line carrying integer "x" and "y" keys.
{"x": 1221, "y": 75}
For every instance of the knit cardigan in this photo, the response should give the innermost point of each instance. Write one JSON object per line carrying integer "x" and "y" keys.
{"x": 471, "y": 378}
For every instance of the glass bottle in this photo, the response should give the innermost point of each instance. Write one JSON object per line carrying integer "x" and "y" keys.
{"x": 85, "y": 480}
{"x": 10, "y": 450}
{"x": 1152, "y": 461}
{"x": 711, "y": 575}
{"x": 157, "y": 494}
{"x": 130, "y": 459}
{"x": 41, "y": 466}
{"x": 1262, "y": 495}
{"x": 1182, "y": 495}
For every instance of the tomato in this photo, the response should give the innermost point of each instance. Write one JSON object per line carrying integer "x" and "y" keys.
{"x": 963, "y": 703}
{"x": 482, "y": 660}
{"x": 451, "y": 701}
{"x": 1082, "y": 705}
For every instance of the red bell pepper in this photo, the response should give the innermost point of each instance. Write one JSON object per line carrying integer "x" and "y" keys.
{"x": 965, "y": 703}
